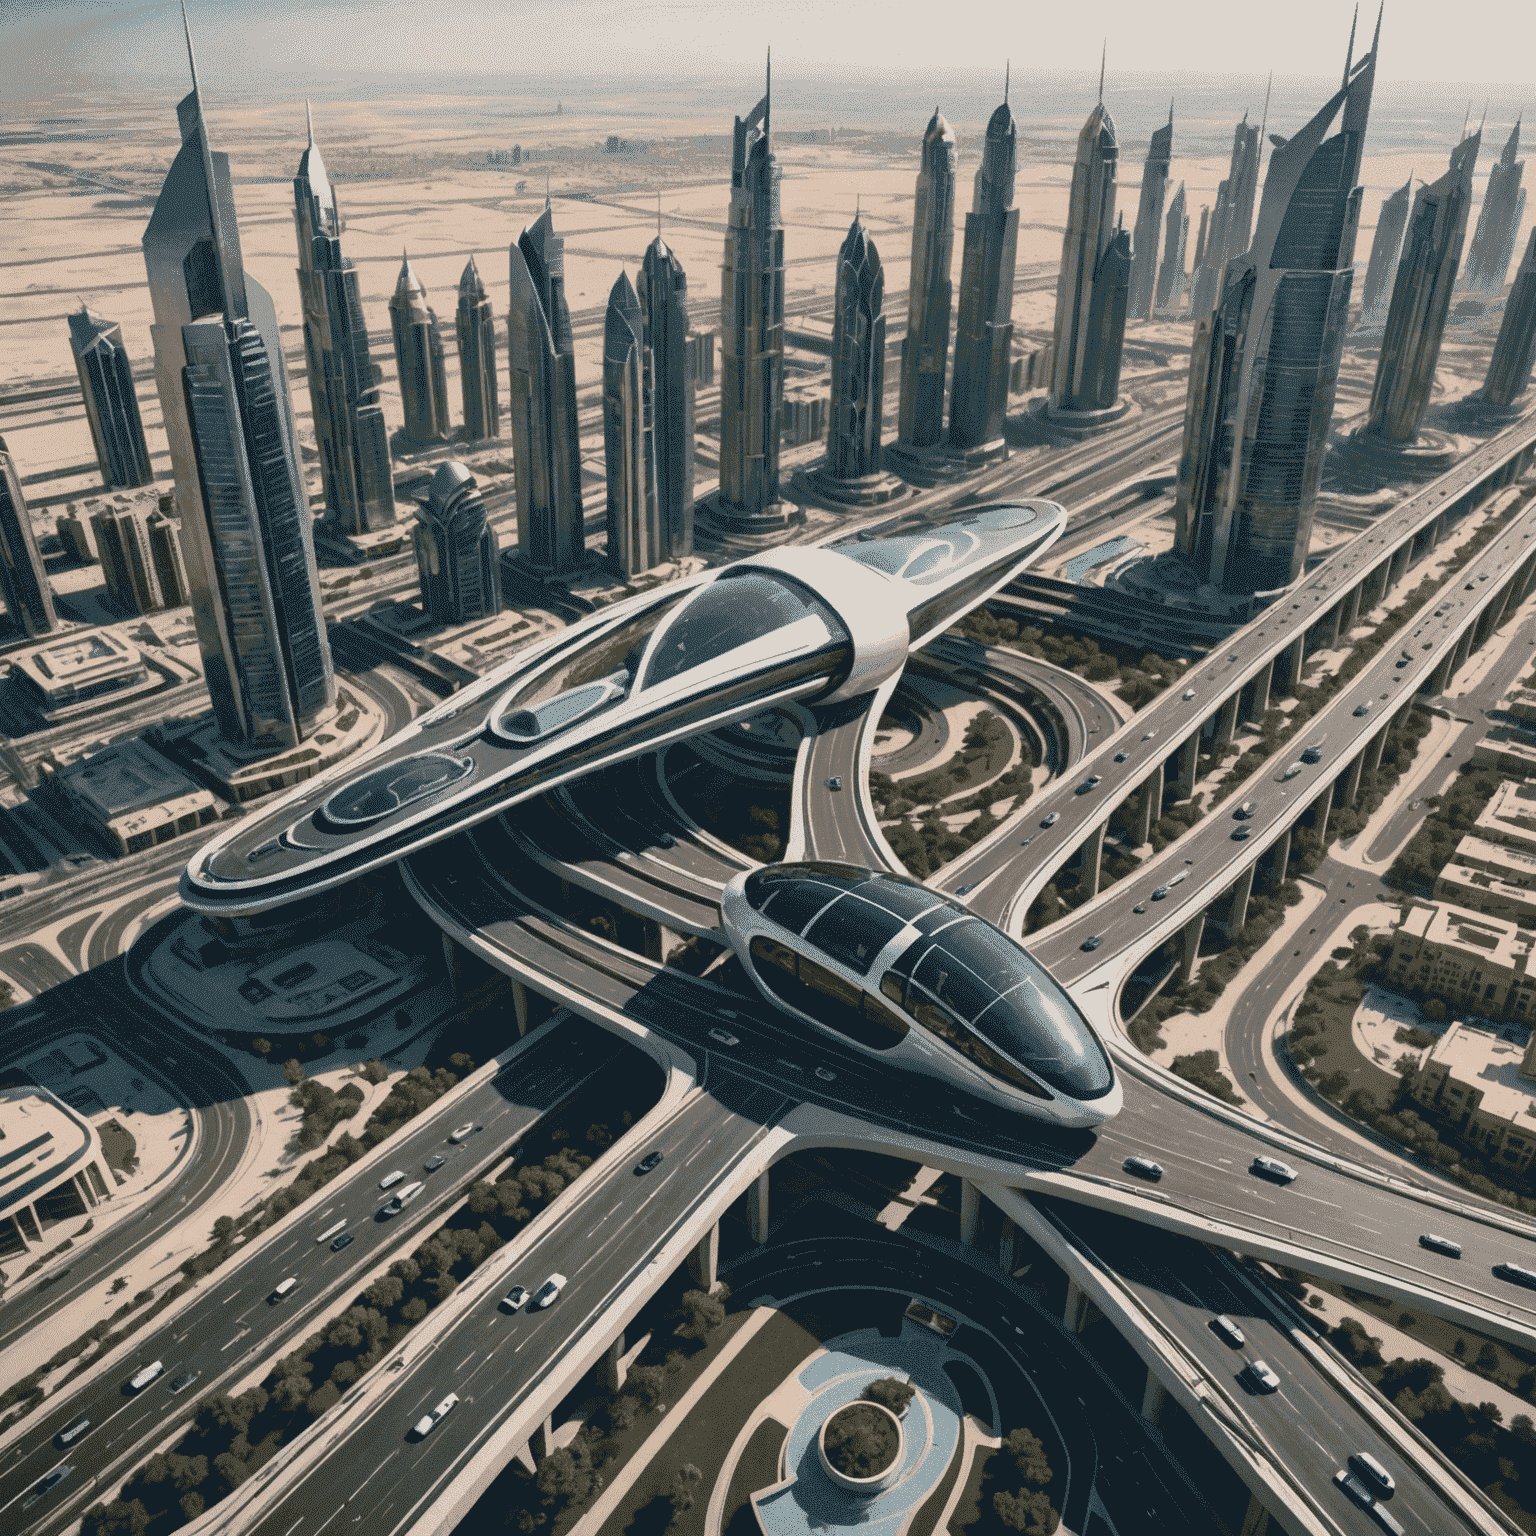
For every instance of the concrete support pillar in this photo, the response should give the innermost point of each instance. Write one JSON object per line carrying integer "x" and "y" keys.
{"x": 1256, "y": 1521}
{"x": 614, "y": 1368}
{"x": 1075, "y": 1313}
{"x": 85, "y": 1189}
{"x": 542, "y": 1441}
{"x": 970, "y": 1212}
{"x": 1372, "y": 753}
{"x": 1194, "y": 931}
{"x": 1437, "y": 530}
{"x": 1291, "y": 659}
{"x": 1153, "y": 1399}
{"x": 1321, "y": 808}
{"x": 452, "y": 963}
{"x": 1261, "y": 686}
{"x": 654, "y": 941}
{"x": 520, "y": 1006}
{"x": 757, "y": 1208}
{"x": 1151, "y": 804}
{"x": 703, "y": 1261}
{"x": 1440, "y": 678}
{"x": 1092, "y": 859}
{"x": 1008, "y": 1247}
{"x": 1226, "y": 725}
{"x": 1463, "y": 651}
{"x": 1399, "y": 565}
{"x": 1351, "y": 789}
{"x": 1237, "y": 903}
{"x": 1184, "y": 783}
{"x": 1332, "y": 623}
{"x": 28, "y": 1224}
{"x": 1351, "y": 609}
{"x": 1482, "y": 629}
{"x": 1279, "y": 856}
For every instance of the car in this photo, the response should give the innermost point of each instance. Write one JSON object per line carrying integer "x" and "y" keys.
{"x": 825, "y": 1075}
{"x": 835, "y": 782}
{"x": 724, "y": 1037}
{"x": 73, "y": 1432}
{"x": 1149, "y": 736}
{"x": 390, "y": 1179}
{"x": 1355, "y": 1488}
{"x": 1516, "y": 1274}
{"x": 515, "y": 1299}
{"x": 1273, "y": 1168}
{"x": 1189, "y": 693}
{"x": 1292, "y": 771}
{"x": 1402, "y": 661}
{"x": 1245, "y": 810}
{"x": 665, "y": 840}
{"x": 1052, "y": 819}
{"x": 1091, "y": 782}
{"x": 282, "y": 1289}
{"x": 1314, "y": 753}
{"x": 1139, "y": 908}
{"x": 182, "y": 1382}
{"x": 1159, "y": 893}
{"x": 47, "y": 1484}
{"x": 548, "y": 1292}
{"x": 649, "y": 1161}
{"x": 965, "y": 890}
{"x": 344, "y": 1241}
{"x": 1093, "y": 941}
{"x": 144, "y": 1375}
{"x": 1261, "y": 1374}
{"x": 402, "y": 1199}
{"x": 1143, "y": 1168}
{"x": 1362, "y": 709}
{"x": 1241, "y": 834}
{"x": 1369, "y": 1470}
{"x": 1120, "y": 757}
{"x": 1024, "y": 842}
{"x": 429, "y": 1421}
{"x": 1227, "y": 1331}
{"x": 1437, "y": 1244}
{"x": 434, "y": 1162}
{"x": 462, "y": 1132}
{"x": 1471, "y": 586}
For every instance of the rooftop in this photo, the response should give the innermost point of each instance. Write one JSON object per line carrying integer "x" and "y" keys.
{"x": 128, "y": 776}
{"x": 1488, "y": 1063}
{"x": 1510, "y": 816}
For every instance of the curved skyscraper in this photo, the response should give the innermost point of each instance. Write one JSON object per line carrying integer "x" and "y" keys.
{"x": 925, "y": 348}
{"x": 978, "y": 395}
{"x": 1264, "y": 365}
{"x": 663, "y": 295}
{"x": 1170, "y": 275}
{"x": 1421, "y": 300}
{"x": 1149, "y": 222}
{"x": 455, "y": 549}
{"x": 752, "y": 332}
{"x": 1498, "y": 224}
{"x": 353, "y": 441}
{"x": 246, "y": 526}
{"x": 1386, "y": 245}
{"x": 475, "y": 323}
{"x": 1092, "y": 288}
{"x": 858, "y": 358}
{"x": 419, "y": 359}
{"x": 628, "y": 440}
{"x": 1509, "y": 369}
{"x": 111, "y": 407}
{"x": 541, "y": 403}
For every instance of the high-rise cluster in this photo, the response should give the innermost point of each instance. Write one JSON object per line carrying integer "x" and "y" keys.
{"x": 353, "y": 441}
{"x": 1498, "y": 224}
{"x": 475, "y": 323}
{"x": 455, "y": 549}
{"x": 1142, "y": 292}
{"x": 419, "y": 360}
{"x": 1231, "y": 221}
{"x": 1264, "y": 364}
{"x": 1171, "y": 274}
{"x": 1386, "y": 245}
{"x": 245, "y": 518}
{"x": 111, "y": 407}
{"x": 23, "y": 581}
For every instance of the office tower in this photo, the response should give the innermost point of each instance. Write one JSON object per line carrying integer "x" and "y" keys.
{"x": 858, "y": 358}
{"x": 246, "y": 526}
{"x": 546, "y": 450}
{"x": 1170, "y": 276}
{"x": 1493, "y": 241}
{"x": 1509, "y": 369}
{"x": 476, "y": 327}
{"x": 1232, "y": 219}
{"x": 925, "y": 348}
{"x": 752, "y": 331}
{"x": 663, "y": 295}
{"x": 1149, "y": 222}
{"x": 1092, "y": 288}
{"x": 353, "y": 442}
{"x": 1264, "y": 364}
{"x": 629, "y": 445}
{"x": 111, "y": 407}
{"x": 170, "y": 567}
{"x": 419, "y": 359}
{"x": 978, "y": 395}
{"x": 1205, "y": 221}
{"x": 1385, "y": 246}
{"x": 127, "y": 559}
{"x": 1421, "y": 299}
{"x": 455, "y": 549}
{"x": 23, "y": 581}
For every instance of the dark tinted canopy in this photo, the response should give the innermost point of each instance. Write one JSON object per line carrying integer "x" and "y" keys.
{"x": 392, "y": 788}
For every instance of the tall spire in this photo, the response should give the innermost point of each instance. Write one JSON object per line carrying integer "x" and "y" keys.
{"x": 658, "y": 214}
{"x": 768, "y": 93}
{"x": 1349, "y": 53}
{"x": 186, "y": 26}
{"x": 309, "y": 121}
{"x": 1007, "y": 71}
{"x": 1103, "y": 58}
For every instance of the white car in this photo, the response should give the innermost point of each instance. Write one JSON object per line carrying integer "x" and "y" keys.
{"x": 1262, "y": 1376}
{"x": 1273, "y": 1168}
{"x": 429, "y": 1421}
{"x": 723, "y": 1037}
{"x": 547, "y": 1292}
{"x": 467, "y": 1129}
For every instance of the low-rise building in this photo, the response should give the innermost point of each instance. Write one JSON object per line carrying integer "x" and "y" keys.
{"x": 1508, "y": 750}
{"x": 1476, "y": 963}
{"x": 74, "y": 675}
{"x": 1509, "y": 818}
{"x": 53, "y": 1167}
{"x": 1476, "y": 1080}
{"x": 1521, "y": 704}
{"x": 133, "y": 797}
{"x": 1484, "y": 877}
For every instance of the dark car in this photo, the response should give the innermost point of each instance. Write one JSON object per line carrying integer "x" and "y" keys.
{"x": 434, "y": 1162}
{"x": 182, "y": 1382}
{"x": 1227, "y": 1331}
{"x": 1241, "y": 834}
{"x": 1052, "y": 819}
{"x": 344, "y": 1241}
{"x": 835, "y": 782}
{"x": 1140, "y": 907}
{"x": 1093, "y": 941}
{"x": 1516, "y": 1274}
{"x": 649, "y": 1161}
{"x": 1143, "y": 1168}
{"x": 1120, "y": 757}
{"x": 965, "y": 890}
{"x": 1437, "y": 1244}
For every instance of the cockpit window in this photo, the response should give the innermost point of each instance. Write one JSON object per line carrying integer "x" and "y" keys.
{"x": 853, "y": 932}
{"x": 394, "y": 787}
{"x": 732, "y": 612}
{"x": 793, "y": 905}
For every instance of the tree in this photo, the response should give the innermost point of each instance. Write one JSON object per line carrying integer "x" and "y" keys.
{"x": 701, "y": 1314}
{"x": 1031, "y": 1513}
{"x": 890, "y": 1392}
{"x": 564, "y": 1476}
{"x": 261, "y": 1047}
{"x": 648, "y": 1383}
{"x": 373, "y": 1071}
{"x": 684, "y": 1486}
{"x": 1029, "y": 1456}
{"x": 293, "y": 1072}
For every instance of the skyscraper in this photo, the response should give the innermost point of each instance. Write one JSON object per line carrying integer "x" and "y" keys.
{"x": 170, "y": 566}
{"x": 752, "y": 332}
{"x": 1264, "y": 364}
{"x": 1205, "y": 223}
{"x": 858, "y": 358}
{"x": 1149, "y": 222}
{"x": 663, "y": 295}
{"x": 1231, "y": 220}
{"x": 350, "y": 433}
{"x": 541, "y": 403}
{"x": 1498, "y": 224}
{"x": 925, "y": 348}
{"x": 978, "y": 395}
{"x": 127, "y": 558}
{"x": 629, "y": 445}
{"x": 245, "y": 519}
{"x": 23, "y": 581}
{"x": 1092, "y": 288}
{"x": 419, "y": 359}
{"x": 111, "y": 407}
{"x": 1509, "y": 369}
{"x": 1170, "y": 276}
{"x": 1385, "y": 246}
{"x": 476, "y": 327}
{"x": 455, "y": 549}
{"x": 1421, "y": 299}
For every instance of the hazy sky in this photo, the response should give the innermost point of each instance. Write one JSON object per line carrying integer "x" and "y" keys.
{"x": 74, "y": 41}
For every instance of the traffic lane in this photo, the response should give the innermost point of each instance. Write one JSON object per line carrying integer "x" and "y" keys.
{"x": 496, "y": 1362}
{"x": 834, "y": 827}
{"x": 202, "y": 1337}
{"x": 106, "y": 941}
{"x": 34, "y": 967}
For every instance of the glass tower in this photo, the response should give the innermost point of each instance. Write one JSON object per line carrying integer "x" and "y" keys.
{"x": 23, "y": 581}
{"x": 111, "y": 407}
{"x": 1148, "y": 228}
{"x": 925, "y": 348}
{"x": 858, "y": 358}
{"x": 475, "y": 323}
{"x": 455, "y": 549}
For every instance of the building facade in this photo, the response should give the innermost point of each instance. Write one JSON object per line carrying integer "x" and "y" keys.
{"x": 420, "y": 360}
{"x": 925, "y": 348}
{"x": 1386, "y": 246}
{"x": 23, "y": 580}
{"x": 246, "y": 527}
{"x": 541, "y": 404}
{"x": 1148, "y": 229}
{"x": 455, "y": 546}
{"x": 1498, "y": 224}
{"x": 127, "y": 558}
{"x": 673, "y": 360}
{"x": 475, "y": 324}
{"x": 1476, "y": 964}
{"x": 1171, "y": 275}
{"x": 111, "y": 406}
{"x": 1509, "y": 368}
{"x": 858, "y": 358}
{"x": 629, "y": 441}
{"x": 1231, "y": 224}
{"x": 356, "y": 476}
{"x": 1476, "y": 1080}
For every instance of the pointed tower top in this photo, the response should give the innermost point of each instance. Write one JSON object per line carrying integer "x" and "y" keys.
{"x": 546, "y": 191}
{"x": 186, "y": 26}
{"x": 309, "y": 122}
{"x": 1465, "y": 120}
{"x": 768, "y": 92}
{"x": 1349, "y": 53}
{"x": 1007, "y": 72}
{"x": 1170, "y": 112}
{"x": 1484, "y": 122}
{"x": 1103, "y": 59}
